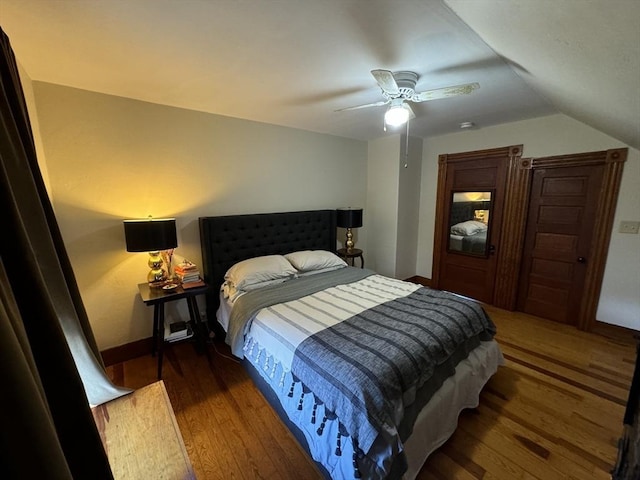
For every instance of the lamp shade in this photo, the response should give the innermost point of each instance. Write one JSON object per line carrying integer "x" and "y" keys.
{"x": 349, "y": 218}
{"x": 150, "y": 235}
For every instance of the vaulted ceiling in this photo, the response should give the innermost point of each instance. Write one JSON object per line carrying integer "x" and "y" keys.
{"x": 295, "y": 62}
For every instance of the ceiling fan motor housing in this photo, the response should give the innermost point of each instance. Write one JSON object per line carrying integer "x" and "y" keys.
{"x": 406, "y": 83}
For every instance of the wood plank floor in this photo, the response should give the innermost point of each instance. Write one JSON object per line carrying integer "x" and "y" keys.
{"x": 554, "y": 411}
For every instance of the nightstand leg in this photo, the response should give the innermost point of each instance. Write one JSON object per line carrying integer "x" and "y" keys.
{"x": 194, "y": 314}
{"x": 158, "y": 311}
{"x": 154, "y": 343}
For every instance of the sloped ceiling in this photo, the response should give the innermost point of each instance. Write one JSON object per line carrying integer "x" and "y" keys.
{"x": 581, "y": 55}
{"x": 294, "y": 62}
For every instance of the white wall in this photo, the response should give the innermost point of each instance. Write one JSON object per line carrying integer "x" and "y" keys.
{"x": 393, "y": 205}
{"x": 408, "y": 214}
{"x": 553, "y": 135}
{"x": 111, "y": 158}
{"x": 380, "y": 214}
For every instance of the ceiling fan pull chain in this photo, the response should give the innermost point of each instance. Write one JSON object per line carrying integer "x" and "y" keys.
{"x": 406, "y": 147}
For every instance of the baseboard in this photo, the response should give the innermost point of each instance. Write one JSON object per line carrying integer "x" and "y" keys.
{"x": 129, "y": 351}
{"x": 617, "y": 333}
{"x": 420, "y": 280}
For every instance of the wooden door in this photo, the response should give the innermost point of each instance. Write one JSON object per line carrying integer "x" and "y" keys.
{"x": 559, "y": 237}
{"x": 472, "y": 273}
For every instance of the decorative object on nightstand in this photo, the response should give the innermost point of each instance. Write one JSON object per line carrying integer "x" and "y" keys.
{"x": 349, "y": 218}
{"x": 188, "y": 274}
{"x": 151, "y": 235}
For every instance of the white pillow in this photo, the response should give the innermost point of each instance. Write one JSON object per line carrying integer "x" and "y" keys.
{"x": 470, "y": 227}
{"x": 258, "y": 270}
{"x": 312, "y": 260}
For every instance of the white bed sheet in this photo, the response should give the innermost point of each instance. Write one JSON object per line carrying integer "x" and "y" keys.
{"x": 224, "y": 311}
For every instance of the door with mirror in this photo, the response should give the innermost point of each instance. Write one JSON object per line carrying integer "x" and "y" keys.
{"x": 471, "y": 197}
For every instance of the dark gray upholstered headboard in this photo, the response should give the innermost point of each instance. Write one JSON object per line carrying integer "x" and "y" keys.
{"x": 462, "y": 211}
{"x": 229, "y": 239}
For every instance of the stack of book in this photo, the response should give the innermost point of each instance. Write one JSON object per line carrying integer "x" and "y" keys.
{"x": 188, "y": 274}
{"x": 177, "y": 331}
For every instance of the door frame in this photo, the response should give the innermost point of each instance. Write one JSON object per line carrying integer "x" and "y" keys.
{"x": 514, "y": 219}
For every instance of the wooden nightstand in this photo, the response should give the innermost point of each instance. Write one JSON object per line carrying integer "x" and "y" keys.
{"x": 158, "y": 298}
{"x": 350, "y": 255}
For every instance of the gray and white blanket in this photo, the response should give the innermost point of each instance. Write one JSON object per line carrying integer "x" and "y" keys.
{"x": 367, "y": 346}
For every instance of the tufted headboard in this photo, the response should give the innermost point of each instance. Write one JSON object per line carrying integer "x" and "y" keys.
{"x": 462, "y": 211}
{"x": 229, "y": 239}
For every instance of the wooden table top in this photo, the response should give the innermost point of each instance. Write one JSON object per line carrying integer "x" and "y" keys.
{"x": 141, "y": 436}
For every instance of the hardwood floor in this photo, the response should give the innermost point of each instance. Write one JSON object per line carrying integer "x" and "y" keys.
{"x": 554, "y": 411}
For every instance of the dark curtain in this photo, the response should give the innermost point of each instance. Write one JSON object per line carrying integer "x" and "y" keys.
{"x": 51, "y": 369}
{"x": 628, "y": 463}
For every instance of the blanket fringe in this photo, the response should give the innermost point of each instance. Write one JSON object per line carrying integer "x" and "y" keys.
{"x": 269, "y": 365}
{"x": 356, "y": 453}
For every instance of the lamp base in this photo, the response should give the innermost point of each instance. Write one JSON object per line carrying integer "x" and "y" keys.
{"x": 348, "y": 244}
{"x": 156, "y": 276}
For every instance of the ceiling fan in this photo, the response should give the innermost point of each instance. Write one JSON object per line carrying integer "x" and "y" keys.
{"x": 398, "y": 89}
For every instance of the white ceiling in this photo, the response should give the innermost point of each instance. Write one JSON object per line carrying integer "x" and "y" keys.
{"x": 294, "y": 62}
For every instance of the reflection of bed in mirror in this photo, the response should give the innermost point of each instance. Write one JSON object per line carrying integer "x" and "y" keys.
{"x": 469, "y": 243}
{"x": 467, "y": 234}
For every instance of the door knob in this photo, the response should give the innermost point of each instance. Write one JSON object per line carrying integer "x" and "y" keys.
{"x": 582, "y": 260}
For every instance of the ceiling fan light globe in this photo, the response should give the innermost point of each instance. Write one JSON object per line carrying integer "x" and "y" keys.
{"x": 396, "y": 115}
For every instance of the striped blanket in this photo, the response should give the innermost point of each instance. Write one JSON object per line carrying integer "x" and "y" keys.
{"x": 367, "y": 348}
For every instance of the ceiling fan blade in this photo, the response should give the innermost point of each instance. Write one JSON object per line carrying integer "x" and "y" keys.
{"x": 386, "y": 81}
{"x": 357, "y": 107}
{"x": 445, "y": 92}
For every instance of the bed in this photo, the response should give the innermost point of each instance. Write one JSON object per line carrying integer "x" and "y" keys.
{"x": 358, "y": 413}
{"x": 466, "y": 234}
{"x": 469, "y": 243}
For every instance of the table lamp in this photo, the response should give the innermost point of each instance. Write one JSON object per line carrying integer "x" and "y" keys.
{"x": 151, "y": 235}
{"x": 349, "y": 218}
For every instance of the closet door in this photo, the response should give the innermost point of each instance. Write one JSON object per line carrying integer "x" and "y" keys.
{"x": 572, "y": 205}
{"x": 558, "y": 240}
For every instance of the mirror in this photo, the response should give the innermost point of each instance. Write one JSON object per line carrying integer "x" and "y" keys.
{"x": 469, "y": 223}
